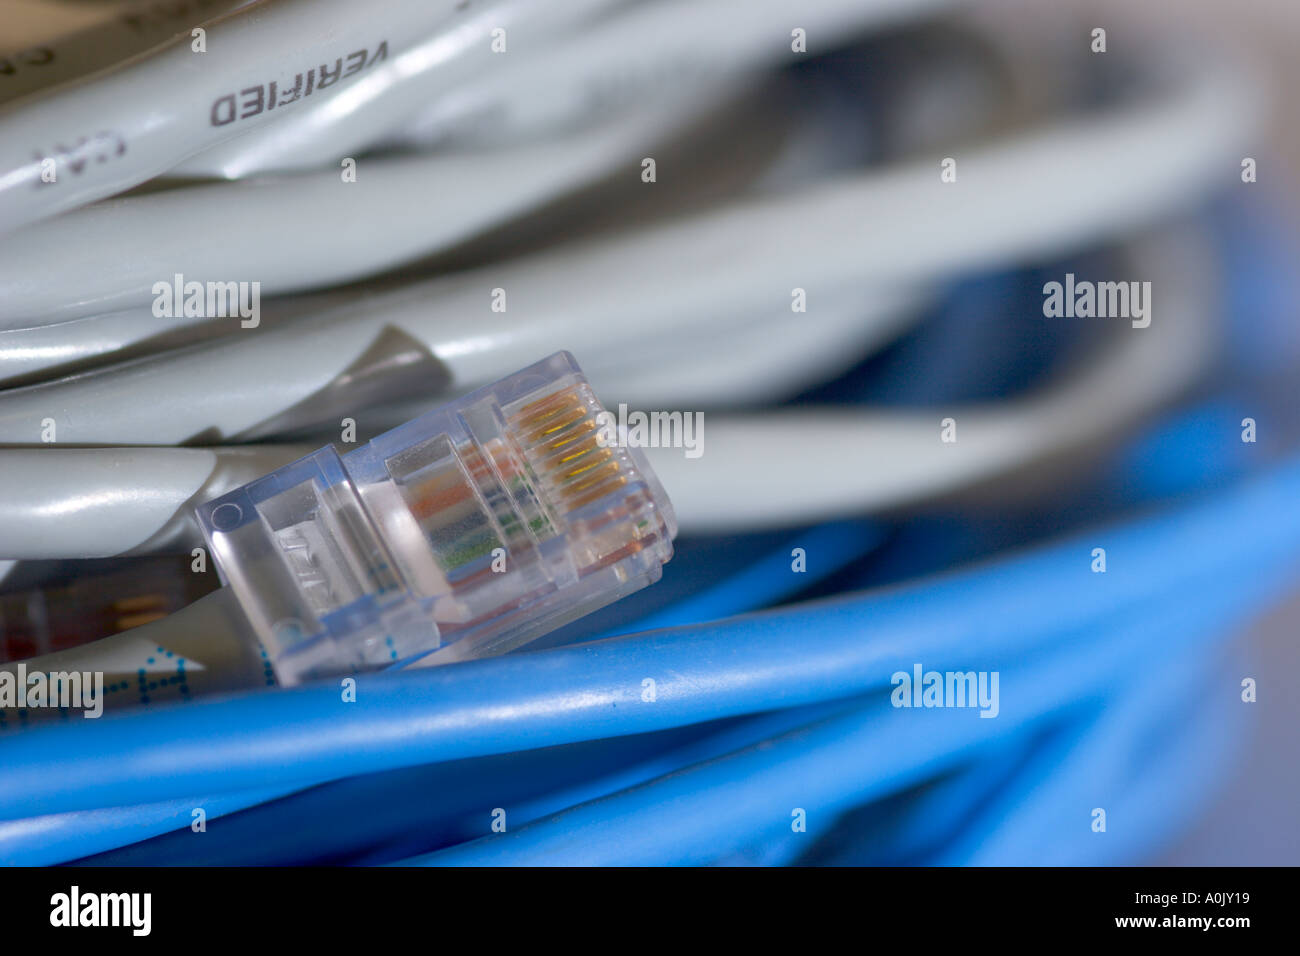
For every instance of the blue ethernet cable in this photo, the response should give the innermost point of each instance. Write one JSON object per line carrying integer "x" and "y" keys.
{"x": 768, "y": 581}
{"x": 48, "y": 840}
{"x": 695, "y": 815}
{"x": 984, "y": 813}
{"x": 782, "y": 658}
{"x": 438, "y": 800}
{"x": 1148, "y": 752}
{"x": 1176, "y": 722}
{"x": 1062, "y": 679}
{"x": 61, "y": 837}
{"x": 913, "y": 822}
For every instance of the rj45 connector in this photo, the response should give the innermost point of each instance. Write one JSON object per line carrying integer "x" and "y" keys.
{"x": 473, "y": 529}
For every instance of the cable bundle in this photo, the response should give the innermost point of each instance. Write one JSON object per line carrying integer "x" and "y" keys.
{"x": 499, "y": 153}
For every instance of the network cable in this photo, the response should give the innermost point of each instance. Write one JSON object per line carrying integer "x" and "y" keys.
{"x": 652, "y": 196}
{"x": 1133, "y": 375}
{"x": 162, "y": 753}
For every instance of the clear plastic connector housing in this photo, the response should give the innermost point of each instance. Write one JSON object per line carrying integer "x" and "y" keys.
{"x": 473, "y": 529}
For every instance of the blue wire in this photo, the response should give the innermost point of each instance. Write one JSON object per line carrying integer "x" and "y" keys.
{"x": 1046, "y": 816}
{"x": 911, "y": 823}
{"x": 46, "y": 840}
{"x": 749, "y": 732}
{"x": 438, "y": 799}
{"x": 60, "y": 837}
{"x": 777, "y": 659}
{"x": 695, "y": 815}
{"x": 502, "y": 792}
{"x": 827, "y": 548}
